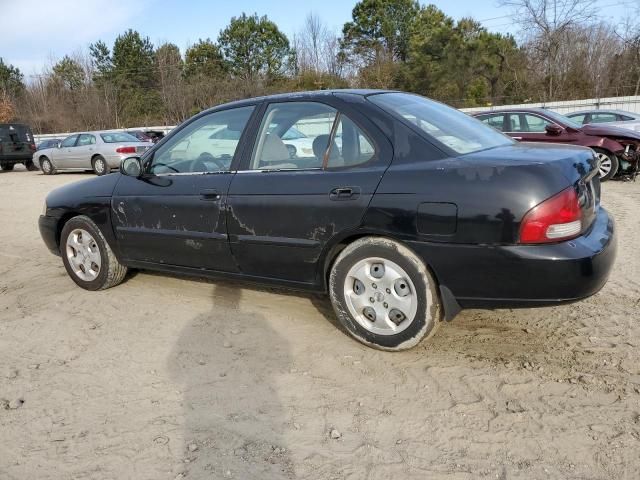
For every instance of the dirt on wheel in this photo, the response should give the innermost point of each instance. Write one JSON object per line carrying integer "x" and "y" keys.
{"x": 168, "y": 378}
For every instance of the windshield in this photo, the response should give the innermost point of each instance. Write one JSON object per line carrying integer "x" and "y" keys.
{"x": 566, "y": 121}
{"x": 117, "y": 137}
{"x": 446, "y": 125}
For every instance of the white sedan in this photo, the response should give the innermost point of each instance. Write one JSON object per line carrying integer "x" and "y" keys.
{"x": 615, "y": 118}
{"x": 97, "y": 151}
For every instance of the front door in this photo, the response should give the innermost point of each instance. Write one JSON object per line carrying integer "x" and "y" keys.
{"x": 530, "y": 127}
{"x": 174, "y": 213}
{"x": 287, "y": 203}
{"x": 63, "y": 156}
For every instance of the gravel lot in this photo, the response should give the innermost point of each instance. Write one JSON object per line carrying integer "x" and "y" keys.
{"x": 169, "y": 378}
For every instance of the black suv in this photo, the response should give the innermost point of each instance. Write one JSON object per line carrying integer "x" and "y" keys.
{"x": 16, "y": 146}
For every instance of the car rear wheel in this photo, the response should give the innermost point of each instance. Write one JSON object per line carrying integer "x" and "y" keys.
{"x": 608, "y": 164}
{"x": 87, "y": 257}
{"x": 99, "y": 165}
{"x": 7, "y": 167}
{"x": 383, "y": 294}
{"x": 47, "y": 167}
{"x": 32, "y": 167}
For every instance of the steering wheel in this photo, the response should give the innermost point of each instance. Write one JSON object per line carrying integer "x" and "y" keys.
{"x": 200, "y": 165}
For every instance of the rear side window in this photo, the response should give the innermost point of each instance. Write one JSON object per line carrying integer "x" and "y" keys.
{"x": 350, "y": 145}
{"x": 445, "y": 125}
{"x": 496, "y": 121}
{"x": 603, "y": 117}
{"x": 309, "y": 123}
{"x": 118, "y": 137}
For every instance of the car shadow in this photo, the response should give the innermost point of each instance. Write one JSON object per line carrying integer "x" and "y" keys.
{"x": 226, "y": 363}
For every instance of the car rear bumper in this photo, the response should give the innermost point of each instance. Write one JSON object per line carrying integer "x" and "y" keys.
{"x": 526, "y": 275}
{"x": 48, "y": 231}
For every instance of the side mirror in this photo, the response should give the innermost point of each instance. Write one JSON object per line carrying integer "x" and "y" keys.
{"x": 553, "y": 129}
{"x": 131, "y": 166}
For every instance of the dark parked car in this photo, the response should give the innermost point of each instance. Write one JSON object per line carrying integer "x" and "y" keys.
{"x": 147, "y": 135}
{"x": 16, "y": 146}
{"x": 618, "y": 149}
{"x": 48, "y": 143}
{"x": 421, "y": 211}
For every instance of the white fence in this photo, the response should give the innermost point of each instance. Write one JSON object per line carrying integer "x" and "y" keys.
{"x": 630, "y": 104}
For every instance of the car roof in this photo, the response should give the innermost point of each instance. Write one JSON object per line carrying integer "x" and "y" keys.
{"x": 511, "y": 109}
{"x": 307, "y": 95}
{"x": 603, "y": 110}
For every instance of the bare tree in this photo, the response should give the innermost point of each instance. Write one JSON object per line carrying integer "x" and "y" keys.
{"x": 546, "y": 24}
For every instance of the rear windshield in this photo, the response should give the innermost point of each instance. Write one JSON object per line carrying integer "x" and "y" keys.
{"x": 15, "y": 133}
{"x": 447, "y": 126}
{"x": 117, "y": 137}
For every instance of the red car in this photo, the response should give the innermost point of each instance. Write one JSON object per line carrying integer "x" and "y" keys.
{"x": 618, "y": 149}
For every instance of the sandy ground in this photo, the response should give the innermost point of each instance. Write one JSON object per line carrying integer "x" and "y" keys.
{"x": 169, "y": 378}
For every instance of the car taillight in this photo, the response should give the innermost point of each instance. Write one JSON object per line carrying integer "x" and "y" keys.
{"x": 557, "y": 218}
{"x": 33, "y": 147}
{"x": 126, "y": 150}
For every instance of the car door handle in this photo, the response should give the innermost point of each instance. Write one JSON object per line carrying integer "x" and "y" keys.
{"x": 517, "y": 138}
{"x": 210, "y": 195}
{"x": 344, "y": 193}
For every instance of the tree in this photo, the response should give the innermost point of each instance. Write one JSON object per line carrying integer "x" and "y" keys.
{"x": 169, "y": 68}
{"x": 101, "y": 59}
{"x": 7, "y": 110}
{"x": 380, "y": 29}
{"x": 204, "y": 59}
{"x": 546, "y": 24}
{"x": 254, "y": 47}
{"x": 11, "y": 80}
{"x": 69, "y": 73}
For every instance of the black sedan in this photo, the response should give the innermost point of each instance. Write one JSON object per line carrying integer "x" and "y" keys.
{"x": 404, "y": 210}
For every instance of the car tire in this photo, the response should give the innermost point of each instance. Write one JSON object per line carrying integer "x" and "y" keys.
{"x": 99, "y": 165}
{"x": 372, "y": 300}
{"x": 608, "y": 164}
{"x": 47, "y": 167}
{"x": 29, "y": 165}
{"x": 87, "y": 256}
{"x": 7, "y": 167}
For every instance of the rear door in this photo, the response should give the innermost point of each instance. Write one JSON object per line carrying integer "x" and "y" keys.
{"x": 285, "y": 208}
{"x": 84, "y": 150}
{"x": 175, "y": 213}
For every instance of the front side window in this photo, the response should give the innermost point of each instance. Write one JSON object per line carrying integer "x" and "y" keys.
{"x": 86, "y": 139}
{"x": 69, "y": 141}
{"x": 579, "y": 117}
{"x": 293, "y": 135}
{"x": 208, "y": 144}
{"x": 447, "y": 126}
{"x": 533, "y": 123}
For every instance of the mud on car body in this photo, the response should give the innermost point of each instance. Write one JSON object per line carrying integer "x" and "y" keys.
{"x": 417, "y": 212}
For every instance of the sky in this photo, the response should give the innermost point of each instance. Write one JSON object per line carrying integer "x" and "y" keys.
{"x": 36, "y": 33}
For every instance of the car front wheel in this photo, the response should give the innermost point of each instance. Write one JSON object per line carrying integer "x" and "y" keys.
{"x": 87, "y": 257}
{"x": 47, "y": 167}
{"x": 383, "y": 294}
{"x": 608, "y": 164}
